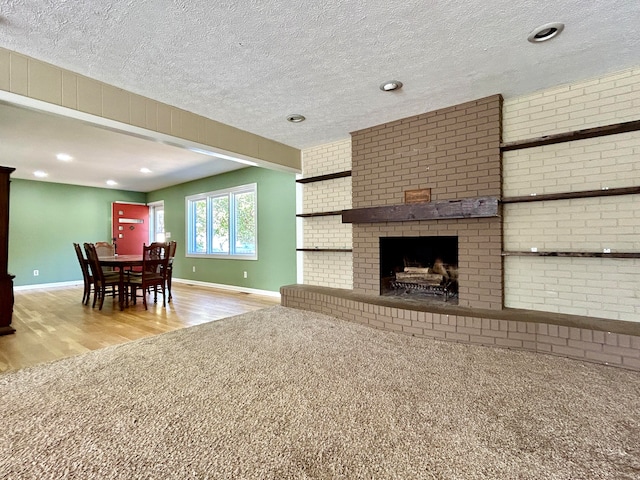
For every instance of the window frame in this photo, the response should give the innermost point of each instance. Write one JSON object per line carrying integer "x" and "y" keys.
{"x": 231, "y": 194}
{"x": 154, "y": 208}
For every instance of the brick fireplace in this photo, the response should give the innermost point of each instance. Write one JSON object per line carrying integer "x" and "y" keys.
{"x": 454, "y": 152}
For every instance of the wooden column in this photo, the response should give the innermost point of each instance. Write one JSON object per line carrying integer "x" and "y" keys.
{"x": 6, "y": 280}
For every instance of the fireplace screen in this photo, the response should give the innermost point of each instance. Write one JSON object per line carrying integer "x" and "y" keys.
{"x": 424, "y": 267}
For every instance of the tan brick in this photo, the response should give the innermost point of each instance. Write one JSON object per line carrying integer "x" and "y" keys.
{"x": 542, "y": 339}
{"x": 631, "y": 363}
{"x": 568, "y": 351}
{"x": 482, "y": 339}
{"x": 604, "y": 357}
{"x": 458, "y": 337}
{"x": 508, "y": 342}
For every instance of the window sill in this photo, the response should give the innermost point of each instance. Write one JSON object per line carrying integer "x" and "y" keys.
{"x": 222, "y": 256}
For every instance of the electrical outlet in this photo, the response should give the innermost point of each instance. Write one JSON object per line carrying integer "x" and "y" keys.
{"x": 36, "y": 273}
{"x": 194, "y": 268}
{"x": 245, "y": 274}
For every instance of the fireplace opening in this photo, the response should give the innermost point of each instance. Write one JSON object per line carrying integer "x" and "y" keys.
{"x": 420, "y": 267}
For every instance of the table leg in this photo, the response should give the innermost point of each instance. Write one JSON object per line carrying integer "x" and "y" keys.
{"x": 121, "y": 294}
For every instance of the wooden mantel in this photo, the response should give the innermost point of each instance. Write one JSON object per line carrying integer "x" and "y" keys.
{"x": 464, "y": 208}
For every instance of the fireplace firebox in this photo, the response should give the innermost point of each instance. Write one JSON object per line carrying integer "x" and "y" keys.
{"x": 420, "y": 267}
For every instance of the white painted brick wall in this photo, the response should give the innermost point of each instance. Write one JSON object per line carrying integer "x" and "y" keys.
{"x": 598, "y": 287}
{"x": 594, "y": 287}
{"x": 327, "y": 196}
{"x": 330, "y": 158}
{"x": 591, "y": 103}
{"x": 328, "y": 269}
{"x": 592, "y": 164}
{"x": 326, "y": 232}
{"x": 586, "y": 224}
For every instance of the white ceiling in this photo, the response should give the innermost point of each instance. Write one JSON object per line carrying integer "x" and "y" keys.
{"x": 31, "y": 139}
{"x": 250, "y": 64}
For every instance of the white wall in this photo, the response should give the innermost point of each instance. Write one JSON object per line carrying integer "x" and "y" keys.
{"x": 597, "y": 287}
{"x": 328, "y": 269}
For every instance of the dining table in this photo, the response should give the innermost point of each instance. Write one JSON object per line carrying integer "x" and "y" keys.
{"x": 122, "y": 263}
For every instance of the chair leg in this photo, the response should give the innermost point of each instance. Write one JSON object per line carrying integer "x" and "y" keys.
{"x": 103, "y": 292}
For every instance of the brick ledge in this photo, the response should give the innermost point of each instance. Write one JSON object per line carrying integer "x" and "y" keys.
{"x": 603, "y": 341}
{"x": 512, "y": 314}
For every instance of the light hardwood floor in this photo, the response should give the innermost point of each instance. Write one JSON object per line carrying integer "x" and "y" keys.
{"x": 52, "y": 323}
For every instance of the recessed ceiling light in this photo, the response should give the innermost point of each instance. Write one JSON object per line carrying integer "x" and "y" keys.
{"x": 111, "y": 183}
{"x": 64, "y": 157}
{"x": 40, "y": 174}
{"x": 545, "y": 32}
{"x": 145, "y": 170}
{"x": 391, "y": 85}
{"x": 295, "y": 118}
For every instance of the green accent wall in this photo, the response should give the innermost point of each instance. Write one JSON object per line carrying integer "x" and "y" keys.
{"x": 276, "y": 264}
{"x": 45, "y": 219}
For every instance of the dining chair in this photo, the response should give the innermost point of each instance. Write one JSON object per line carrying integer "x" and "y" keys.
{"x": 171, "y": 249}
{"x": 101, "y": 279}
{"x": 172, "y": 253}
{"x": 105, "y": 249}
{"x": 155, "y": 258}
{"x": 86, "y": 274}
{"x": 137, "y": 270}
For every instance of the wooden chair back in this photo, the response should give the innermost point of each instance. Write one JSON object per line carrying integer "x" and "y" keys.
{"x": 86, "y": 274}
{"x": 105, "y": 249}
{"x": 100, "y": 280}
{"x": 172, "y": 249}
{"x": 155, "y": 258}
{"x": 94, "y": 262}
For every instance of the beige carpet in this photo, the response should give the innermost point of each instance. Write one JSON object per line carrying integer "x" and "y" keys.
{"x": 286, "y": 394}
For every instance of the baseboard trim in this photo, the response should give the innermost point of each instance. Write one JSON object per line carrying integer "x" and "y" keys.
{"x": 222, "y": 286}
{"x": 185, "y": 281}
{"x": 72, "y": 283}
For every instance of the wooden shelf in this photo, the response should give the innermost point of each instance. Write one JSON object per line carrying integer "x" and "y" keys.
{"x": 479, "y": 207}
{"x": 319, "y": 214}
{"x": 324, "y": 250}
{"x": 321, "y": 178}
{"x": 569, "y": 195}
{"x": 570, "y": 136}
{"x": 573, "y": 254}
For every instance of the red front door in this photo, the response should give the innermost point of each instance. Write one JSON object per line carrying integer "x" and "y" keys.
{"x": 130, "y": 225}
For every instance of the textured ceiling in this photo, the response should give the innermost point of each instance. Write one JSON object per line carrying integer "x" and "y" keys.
{"x": 250, "y": 64}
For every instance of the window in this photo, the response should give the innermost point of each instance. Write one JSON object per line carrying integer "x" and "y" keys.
{"x": 156, "y": 220}
{"x": 223, "y": 224}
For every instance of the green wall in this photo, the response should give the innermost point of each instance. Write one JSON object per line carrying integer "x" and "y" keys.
{"x": 45, "y": 219}
{"x": 276, "y": 264}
